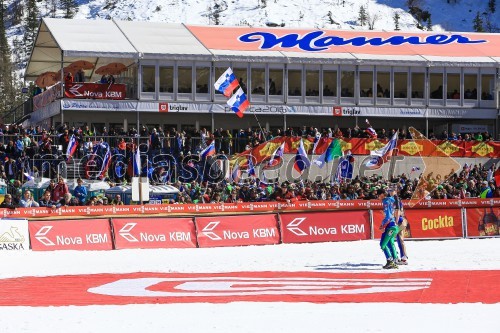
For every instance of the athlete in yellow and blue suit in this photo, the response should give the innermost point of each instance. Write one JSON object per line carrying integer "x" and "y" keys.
{"x": 390, "y": 229}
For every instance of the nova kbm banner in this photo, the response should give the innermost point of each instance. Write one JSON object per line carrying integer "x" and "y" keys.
{"x": 14, "y": 235}
{"x": 237, "y": 230}
{"x": 325, "y": 227}
{"x": 427, "y": 223}
{"x": 154, "y": 233}
{"x": 92, "y": 234}
{"x": 483, "y": 221}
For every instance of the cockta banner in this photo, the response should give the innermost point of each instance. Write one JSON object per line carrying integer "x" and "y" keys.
{"x": 427, "y": 223}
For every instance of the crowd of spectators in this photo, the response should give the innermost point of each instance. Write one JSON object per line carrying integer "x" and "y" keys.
{"x": 20, "y": 145}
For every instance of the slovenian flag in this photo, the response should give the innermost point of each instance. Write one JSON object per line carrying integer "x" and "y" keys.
{"x": 251, "y": 168}
{"x": 276, "y": 156}
{"x": 236, "y": 173}
{"x": 333, "y": 150}
{"x": 209, "y": 151}
{"x": 301, "y": 160}
{"x": 371, "y": 132}
{"x": 239, "y": 102}
{"x": 226, "y": 83}
{"x": 381, "y": 155}
{"x": 72, "y": 145}
{"x": 137, "y": 162}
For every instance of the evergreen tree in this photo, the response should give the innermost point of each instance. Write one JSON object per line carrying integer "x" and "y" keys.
{"x": 396, "y": 21}
{"x": 429, "y": 23}
{"x": 362, "y": 16}
{"x": 492, "y": 6}
{"x": 6, "y": 83}
{"x": 31, "y": 27}
{"x": 69, "y": 7}
{"x": 478, "y": 23}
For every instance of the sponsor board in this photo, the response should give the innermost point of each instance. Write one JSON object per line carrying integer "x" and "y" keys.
{"x": 14, "y": 235}
{"x": 153, "y": 233}
{"x": 237, "y": 230}
{"x": 92, "y": 234}
{"x": 315, "y": 287}
{"x": 95, "y": 91}
{"x": 324, "y": 226}
{"x": 483, "y": 222}
{"x": 427, "y": 223}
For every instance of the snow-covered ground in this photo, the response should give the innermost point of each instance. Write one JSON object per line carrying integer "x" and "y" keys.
{"x": 358, "y": 257}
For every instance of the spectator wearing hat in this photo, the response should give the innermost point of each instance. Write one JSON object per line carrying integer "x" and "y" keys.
{"x": 485, "y": 190}
{"x": 7, "y": 202}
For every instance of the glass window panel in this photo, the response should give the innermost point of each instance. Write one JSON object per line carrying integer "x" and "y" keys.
{"x": 400, "y": 85}
{"x": 487, "y": 86}
{"x": 417, "y": 85}
{"x": 167, "y": 79}
{"x": 436, "y": 86}
{"x": 312, "y": 82}
{"x": 329, "y": 83}
{"x": 347, "y": 84}
{"x": 185, "y": 80}
{"x": 218, "y": 72}
{"x": 242, "y": 76}
{"x": 470, "y": 86}
{"x": 258, "y": 81}
{"x": 275, "y": 81}
{"x": 148, "y": 78}
{"x": 202, "y": 79}
{"x": 294, "y": 82}
{"x": 453, "y": 86}
{"x": 384, "y": 84}
{"x": 366, "y": 84}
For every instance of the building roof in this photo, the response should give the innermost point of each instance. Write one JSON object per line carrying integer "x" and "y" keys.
{"x": 105, "y": 41}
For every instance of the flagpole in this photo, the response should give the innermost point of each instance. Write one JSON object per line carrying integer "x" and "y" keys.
{"x": 258, "y": 122}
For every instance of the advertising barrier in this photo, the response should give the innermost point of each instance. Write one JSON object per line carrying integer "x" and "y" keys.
{"x": 95, "y": 90}
{"x": 14, "y": 235}
{"x": 237, "y": 230}
{"x": 483, "y": 221}
{"x": 153, "y": 233}
{"x": 325, "y": 226}
{"x": 428, "y": 223}
{"x": 92, "y": 234}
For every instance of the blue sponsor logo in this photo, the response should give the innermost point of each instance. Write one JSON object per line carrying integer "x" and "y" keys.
{"x": 318, "y": 41}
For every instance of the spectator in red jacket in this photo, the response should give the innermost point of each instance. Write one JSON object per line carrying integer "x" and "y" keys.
{"x": 60, "y": 190}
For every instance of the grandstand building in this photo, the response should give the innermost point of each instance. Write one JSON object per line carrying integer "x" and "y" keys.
{"x": 434, "y": 81}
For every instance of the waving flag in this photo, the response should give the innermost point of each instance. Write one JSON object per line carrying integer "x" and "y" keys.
{"x": 226, "y": 83}
{"x": 301, "y": 160}
{"x": 236, "y": 173}
{"x": 333, "y": 150}
{"x": 251, "y": 169}
{"x": 345, "y": 168}
{"x": 371, "y": 132}
{"x": 72, "y": 145}
{"x": 276, "y": 156}
{"x": 137, "y": 162}
{"x": 209, "y": 151}
{"x": 106, "y": 159}
{"x": 317, "y": 138}
{"x": 239, "y": 102}
{"x": 381, "y": 155}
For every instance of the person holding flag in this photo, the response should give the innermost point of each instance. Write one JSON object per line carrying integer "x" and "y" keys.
{"x": 72, "y": 146}
{"x": 301, "y": 161}
{"x": 371, "y": 132}
{"x": 208, "y": 151}
{"x": 276, "y": 156}
{"x": 333, "y": 150}
{"x": 380, "y": 156}
{"x": 226, "y": 83}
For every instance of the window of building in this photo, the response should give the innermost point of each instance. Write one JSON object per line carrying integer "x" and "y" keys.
{"x": 258, "y": 81}
{"x": 329, "y": 83}
{"x": 294, "y": 82}
{"x": 242, "y": 76}
{"x": 148, "y": 78}
{"x": 167, "y": 79}
{"x": 275, "y": 81}
{"x": 202, "y": 80}
{"x": 366, "y": 83}
{"x": 470, "y": 86}
{"x": 383, "y": 84}
{"x": 453, "y": 85}
{"x": 487, "y": 87}
{"x": 312, "y": 82}
{"x": 347, "y": 83}
{"x": 436, "y": 85}
{"x": 218, "y": 72}
{"x": 417, "y": 85}
{"x": 401, "y": 85}
{"x": 185, "y": 80}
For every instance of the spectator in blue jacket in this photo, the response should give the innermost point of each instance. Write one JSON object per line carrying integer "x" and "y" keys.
{"x": 80, "y": 192}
